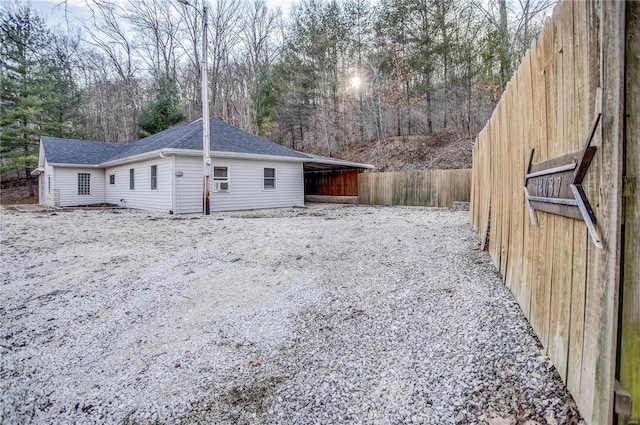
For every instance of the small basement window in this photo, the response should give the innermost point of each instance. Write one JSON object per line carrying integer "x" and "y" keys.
{"x": 220, "y": 179}
{"x": 112, "y": 179}
{"x": 269, "y": 178}
{"x": 84, "y": 184}
{"x": 154, "y": 177}
{"x": 132, "y": 176}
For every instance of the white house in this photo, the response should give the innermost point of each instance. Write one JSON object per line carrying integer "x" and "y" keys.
{"x": 164, "y": 172}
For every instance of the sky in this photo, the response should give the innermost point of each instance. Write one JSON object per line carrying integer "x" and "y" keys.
{"x": 53, "y": 11}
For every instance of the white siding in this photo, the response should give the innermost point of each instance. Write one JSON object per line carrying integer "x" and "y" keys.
{"x": 66, "y": 183}
{"x": 49, "y": 185}
{"x": 141, "y": 197}
{"x": 189, "y": 185}
{"x": 246, "y": 190}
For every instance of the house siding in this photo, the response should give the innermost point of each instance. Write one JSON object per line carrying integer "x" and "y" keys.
{"x": 188, "y": 196}
{"x": 142, "y": 196}
{"x": 51, "y": 194}
{"x": 246, "y": 190}
{"x": 245, "y": 185}
{"x": 65, "y": 182}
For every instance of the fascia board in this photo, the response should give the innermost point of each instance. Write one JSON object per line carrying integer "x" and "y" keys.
{"x": 341, "y": 162}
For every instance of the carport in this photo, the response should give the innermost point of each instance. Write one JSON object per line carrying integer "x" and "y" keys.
{"x": 332, "y": 180}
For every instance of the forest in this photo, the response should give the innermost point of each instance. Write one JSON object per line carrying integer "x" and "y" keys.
{"x": 327, "y": 74}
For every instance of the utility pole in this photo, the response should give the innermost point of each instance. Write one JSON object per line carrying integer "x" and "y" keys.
{"x": 206, "y": 147}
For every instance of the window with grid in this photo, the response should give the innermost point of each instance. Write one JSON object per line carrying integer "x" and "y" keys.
{"x": 132, "y": 183}
{"x": 154, "y": 177}
{"x": 112, "y": 179}
{"x": 220, "y": 179}
{"x": 269, "y": 178}
{"x": 84, "y": 184}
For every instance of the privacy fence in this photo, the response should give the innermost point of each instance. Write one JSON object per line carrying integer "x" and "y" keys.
{"x": 552, "y": 198}
{"x": 431, "y": 188}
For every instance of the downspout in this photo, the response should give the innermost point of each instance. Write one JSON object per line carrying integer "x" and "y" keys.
{"x": 172, "y": 173}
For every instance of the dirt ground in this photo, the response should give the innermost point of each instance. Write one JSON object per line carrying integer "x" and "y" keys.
{"x": 436, "y": 151}
{"x": 327, "y": 314}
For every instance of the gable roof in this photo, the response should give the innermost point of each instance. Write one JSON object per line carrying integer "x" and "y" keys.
{"x": 223, "y": 138}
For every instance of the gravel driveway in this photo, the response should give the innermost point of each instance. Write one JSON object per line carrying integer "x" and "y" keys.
{"x": 327, "y": 314}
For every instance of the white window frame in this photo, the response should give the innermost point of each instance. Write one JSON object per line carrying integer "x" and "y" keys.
{"x": 218, "y": 182}
{"x": 84, "y": 184}
{"x": 265, "y": 178}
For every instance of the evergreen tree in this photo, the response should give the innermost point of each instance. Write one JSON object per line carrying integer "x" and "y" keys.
{"x": 37, "y": 92}
{"x": 24, "y": 38}
{"x": 162, "y": 112}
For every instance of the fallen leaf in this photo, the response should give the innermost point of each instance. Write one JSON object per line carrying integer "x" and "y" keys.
{"x": 551, "y": 420}
{"x": 255, "y": 361}
{"x": 492, "y": 419}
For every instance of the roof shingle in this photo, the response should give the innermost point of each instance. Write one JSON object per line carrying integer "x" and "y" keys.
{"x": 224, "y": 138}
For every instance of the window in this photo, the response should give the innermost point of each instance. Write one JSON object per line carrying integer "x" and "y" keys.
{"x": 154, "y": 177}
{"x": 112, "y": 179}
{"x": 49, "y": 185}
{"x": 132, "y": 183}
{"x": 220, "y": 179}
{"x": 84, "y": 184}
{"x": 269, "y": 178}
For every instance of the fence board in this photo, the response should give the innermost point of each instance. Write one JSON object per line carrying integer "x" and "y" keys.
{"x": 563, "y": 226}
{"x": 431, "y": 188}
{"x": 630, "y": 325}
{"x": 566, "y": 286}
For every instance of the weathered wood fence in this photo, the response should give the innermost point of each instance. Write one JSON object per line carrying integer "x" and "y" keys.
{"x": 566, "y": 286}
{"x": 430, "y": 188}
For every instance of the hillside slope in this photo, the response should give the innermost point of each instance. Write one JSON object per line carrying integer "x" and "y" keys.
{"x": 435, "y": 151}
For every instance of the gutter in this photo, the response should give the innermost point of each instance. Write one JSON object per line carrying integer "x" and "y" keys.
{"x": 332, "y": 161}
{"x": 198, "y": 153}
{"x": 56, "y": 164}
{"x": 37, "y": 171}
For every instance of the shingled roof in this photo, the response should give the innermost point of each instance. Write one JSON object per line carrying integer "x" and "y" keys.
{"x": 224, "y": 138}
{"x": 84, "y": 152}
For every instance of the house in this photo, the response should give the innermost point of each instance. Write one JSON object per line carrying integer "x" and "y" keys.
{"x": 164, "y": 172}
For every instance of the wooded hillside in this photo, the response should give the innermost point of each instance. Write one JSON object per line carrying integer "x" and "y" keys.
{"x": 332, "y": 77}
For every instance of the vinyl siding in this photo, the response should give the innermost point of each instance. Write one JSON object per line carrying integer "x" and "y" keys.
{"x": 141, "y": 197}
{"x": 66, "y": 183}
{"x": 245, "y": 185}
{"x": 49, "y": 194}
{"x": 189, "y": 185}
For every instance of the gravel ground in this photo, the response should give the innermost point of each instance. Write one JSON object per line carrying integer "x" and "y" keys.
{"x": 328, "y": 314}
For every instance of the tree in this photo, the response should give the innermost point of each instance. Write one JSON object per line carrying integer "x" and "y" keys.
{"x": 162, "y": 112}
{"x": 37, "y": 94}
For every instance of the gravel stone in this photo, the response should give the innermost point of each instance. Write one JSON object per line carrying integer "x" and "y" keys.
{"x": 319, "y": 315}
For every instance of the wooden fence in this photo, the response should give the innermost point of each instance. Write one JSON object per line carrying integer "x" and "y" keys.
{"x": 429, "y": 188}
{"x": 567, "y": 287}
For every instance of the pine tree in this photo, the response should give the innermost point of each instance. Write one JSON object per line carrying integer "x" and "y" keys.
{"x": 37, "y": 92}
{"x": 23, "y": 39}
{"x": 162, "y": 112}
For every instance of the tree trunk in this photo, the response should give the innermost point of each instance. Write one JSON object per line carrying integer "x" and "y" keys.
{"x": 504, "y": 34}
